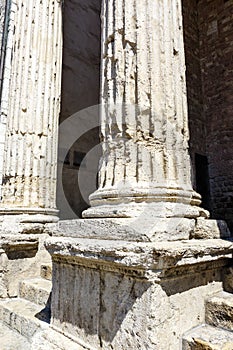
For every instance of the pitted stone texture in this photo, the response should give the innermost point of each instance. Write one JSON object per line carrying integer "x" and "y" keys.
{"x": 36, "y": 290}
{"x": 207, "y": 229}
{"x": 144, "y": 255}
{"x": 51, "y": 339}
{"x": 20, "y": 258}
{"x": 207, "y": 338}
{"x": 219, "y": 310}
{"x": 123, "y": 312}
{"x": 141, "y": 228}
{"x": 46, "y": 272}
{"x": 2, "y": 18}
{"x": 138, "y": 293}
{"x": 12, "y": 340}
{"x": 29, "y": 175}
{"x": 23, "y": 316}
{"x": 144, "y": 124}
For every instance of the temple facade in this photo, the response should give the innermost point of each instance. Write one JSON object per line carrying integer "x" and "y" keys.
{"x": 116, "y": 211}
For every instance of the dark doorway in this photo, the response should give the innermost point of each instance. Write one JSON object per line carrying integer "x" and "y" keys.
{"x": 202, "y": 180}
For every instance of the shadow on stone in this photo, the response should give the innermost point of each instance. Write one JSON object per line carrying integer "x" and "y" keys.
{"x": 15, "y": 252}
{"x": 45, "y": 314}
{"x": 182, "y": 279}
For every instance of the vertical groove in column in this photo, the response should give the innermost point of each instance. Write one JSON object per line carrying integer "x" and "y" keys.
{"x": 31, "y": 144}
{"x": 146, "y": 142}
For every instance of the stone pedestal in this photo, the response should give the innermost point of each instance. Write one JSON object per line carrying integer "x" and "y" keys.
{"x": 29, "y": 174}
{"x": 124, "y": 295}
{"x": 132, "y": 275}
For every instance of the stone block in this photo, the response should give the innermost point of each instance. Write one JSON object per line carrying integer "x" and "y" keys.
{"x": 20, "y": 315}
{"x": 128, "y": 295}
{"x": 210, "y": 229}
{"x": 206, "y": 337}
{"x": 219, "y": 310}
{"x": 36, "y": 290}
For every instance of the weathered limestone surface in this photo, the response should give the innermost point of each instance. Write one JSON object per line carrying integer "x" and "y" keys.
{"x": 208, "y": 338}
{"x": 2, "y": 18}
{"x": 128, "y": 295}
{"x": 20, "y": 258}
{"x": 29, "y": 178}
{"x": 6, "y": 31}
{"x": 10, "y": 340}
{"x": 132, "y": 275}
{"x": 144, "y": 113}
{"x": 219, "y": 310}
{"x": 141, "y": 228}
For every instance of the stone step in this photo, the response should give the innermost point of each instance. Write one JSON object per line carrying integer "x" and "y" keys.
{"x": 23, "y": 316}
{"x": 36, "y": 290}
{"x": 206, "y": 337}
{"x": 219, "y": 310}
{"x": 46, "y": 272}
{"x": 12, "y": 340}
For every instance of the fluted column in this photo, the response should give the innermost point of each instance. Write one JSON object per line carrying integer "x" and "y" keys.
{"x": 29, "y": 176}
{"x": 144, "y": 124}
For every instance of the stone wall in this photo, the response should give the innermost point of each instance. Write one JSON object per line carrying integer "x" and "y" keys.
{"x": 80, "y": 87}
{"x": 197, "y": 124}
{"x": 216, "y": 52}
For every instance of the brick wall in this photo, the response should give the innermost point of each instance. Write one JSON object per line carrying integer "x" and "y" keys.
{"x": 197, "y": 124}
{"x": 216, "y": 53}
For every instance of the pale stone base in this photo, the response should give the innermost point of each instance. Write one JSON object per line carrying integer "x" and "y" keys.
{"x": 128, "y": 295}
{"x": 21, "y": 256}
{"x": 143, "y": 228}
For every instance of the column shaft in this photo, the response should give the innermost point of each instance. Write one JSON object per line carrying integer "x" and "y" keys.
{"x": 144, "y": 108}
{"x": 29, "y": 177}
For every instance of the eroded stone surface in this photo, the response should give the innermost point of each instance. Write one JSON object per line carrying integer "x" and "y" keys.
{"x": 29, "y": 176}
{"x": 145, "y": 226}
{"x": 127, "y": 295}
{"x": 11, "y": 340}
{"x": 219, "y": 310}
{"x": 205, "y": 229}
{"x": 20, "y": 258}
{"x": 145, "y": 148}
{"x": 207, "y": 338}
{"x": 145, "y": 255}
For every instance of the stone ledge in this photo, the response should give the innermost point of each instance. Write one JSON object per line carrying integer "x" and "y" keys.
{"x": 19, "y": 246}
{"x": 142, "y": 256}
{"x": 144, "y": 228}
{"x": 206, "y": 337}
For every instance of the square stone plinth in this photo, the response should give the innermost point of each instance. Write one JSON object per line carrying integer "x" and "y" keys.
{"x": 128, "y": 295}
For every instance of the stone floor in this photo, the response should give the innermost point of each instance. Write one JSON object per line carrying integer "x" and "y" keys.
{"x": 11, "y": 340}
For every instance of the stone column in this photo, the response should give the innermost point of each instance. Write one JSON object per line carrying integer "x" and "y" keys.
{"x": 144, "y": 124}
{"x": 29, "y": 175}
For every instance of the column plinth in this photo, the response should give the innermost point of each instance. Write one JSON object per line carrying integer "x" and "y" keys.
{"x": 144, "y": 123}
{"x": 30, "y": 160}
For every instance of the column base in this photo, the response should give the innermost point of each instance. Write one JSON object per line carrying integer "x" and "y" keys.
{"x": 26, "y": 220}
{"x": 27, "y": 215}
{"x": 156, "y": 202}
{"x": 145, "y": 210}
{"x": 128, "y": 295}
{"x": 139, "y": 230}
